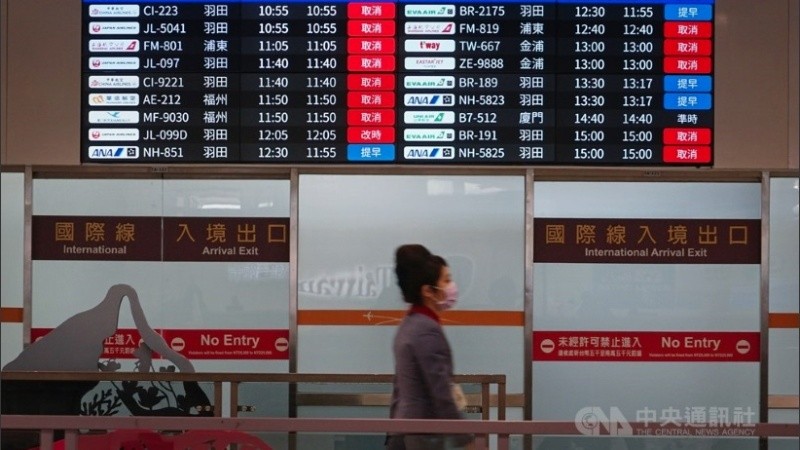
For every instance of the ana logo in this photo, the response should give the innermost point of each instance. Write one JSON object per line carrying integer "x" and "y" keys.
{"x": 429, "y": 99}
{"x": 422, "y": 152}
{"x": 104, "y": 152}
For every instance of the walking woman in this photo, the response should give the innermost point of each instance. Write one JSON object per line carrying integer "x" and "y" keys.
{"x": 423, "y": 360}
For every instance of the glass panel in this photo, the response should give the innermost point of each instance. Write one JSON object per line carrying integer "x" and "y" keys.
{"x": 784, "y": 248}
{"x": 350, "y": 227}
{"x": 216, "y": 307}
{"x": 11, "y": 248}
{"x": 665, "y": 307}
{"x": 784, "y": 265}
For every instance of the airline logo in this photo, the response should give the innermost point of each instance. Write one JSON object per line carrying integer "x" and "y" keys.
{"x": 429, "y": 117}
{"x": 430, "y": 28}
{"x": 107, "y": 152}
{"x": 113, "y": 134}
{"x": 113, "y": 82}
{"x": 114, "y": 63}
{"x": 430, "y": 45}
{"x": 113, "y": 10}
{"x": 429, "y": 99}
{"x": 430, "y": 134}
{"x": 429, "y": 63}
{"x": 113, "y": 45}
{"x": 113, "y": 99}
{"x": 113, "y": 117}
{"x": 424, "y": 152}
{"x": 430, "y": 10}
{"x": 429, "y": 82}
{"x": 113, "y": 27}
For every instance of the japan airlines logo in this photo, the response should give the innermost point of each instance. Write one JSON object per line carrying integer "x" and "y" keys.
{"x": 114, "y": 63}
{"x": 429, "y": 63}
{"x": 113, "y": 99}
{"x": 430, "y": 45}
{"x": 113, "y": 10}
{"x": 113, "y": 82}
{"x": 113, "y": 134}
{"x": 430, "y": 28}
{"x": 114, "y": 45}
{"x": 430, "y": 11}
{"x": 429, "y": 82}
{"x": 105, "y": 152}
{"x": 113, "y": 27}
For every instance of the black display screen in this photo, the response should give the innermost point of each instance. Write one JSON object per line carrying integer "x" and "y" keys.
{"x": 450, "y": 83}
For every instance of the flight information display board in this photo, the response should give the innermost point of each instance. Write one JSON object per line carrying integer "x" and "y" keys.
{"x": 446, "y": 82}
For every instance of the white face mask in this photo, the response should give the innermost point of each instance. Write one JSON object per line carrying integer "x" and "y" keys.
{"x": 450, "y": 296}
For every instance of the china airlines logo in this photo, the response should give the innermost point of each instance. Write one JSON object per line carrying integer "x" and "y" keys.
{"x": 113, "y": 82}
{"x": 113, "y": 10}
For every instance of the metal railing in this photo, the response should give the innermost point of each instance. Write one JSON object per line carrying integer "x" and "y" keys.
{"x": 482, "y": 402}
{"x": 502, "y": 429}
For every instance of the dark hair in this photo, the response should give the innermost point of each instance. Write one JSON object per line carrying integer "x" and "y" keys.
{"x": 415, "y": 267}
